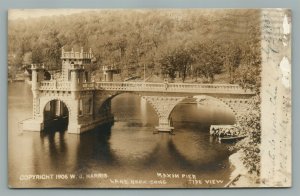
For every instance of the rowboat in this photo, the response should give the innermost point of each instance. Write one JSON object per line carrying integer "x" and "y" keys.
{"x": 231, "y": 139}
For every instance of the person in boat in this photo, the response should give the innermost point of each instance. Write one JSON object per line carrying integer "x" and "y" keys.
{"x": 227, "y": 133}
{"x": 222, "y": 133}
{"x": 217, "y": 132}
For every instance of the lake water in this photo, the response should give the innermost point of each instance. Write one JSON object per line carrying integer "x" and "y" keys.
{"x": 125, "y": 154}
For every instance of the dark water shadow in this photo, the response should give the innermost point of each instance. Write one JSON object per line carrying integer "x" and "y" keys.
{"x": 94, "y": 149}
{"x": 184, "y": 163}
{"x": 167, "y": 155}
{"x": 50, "y": 132}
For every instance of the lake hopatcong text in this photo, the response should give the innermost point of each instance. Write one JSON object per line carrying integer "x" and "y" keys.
{"x": 191, "y": 178}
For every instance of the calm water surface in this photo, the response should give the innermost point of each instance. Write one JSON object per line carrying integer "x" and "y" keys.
{"x": 127, "y": 150}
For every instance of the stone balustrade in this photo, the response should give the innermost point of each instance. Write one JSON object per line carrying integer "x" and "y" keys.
{"x": 55, "y": 85}
{"x": 77, "y": 55}
{"x": 88, "y": 86}
{"x": 149, "y": 87}
{"x": 109, "y": 67}
{"x": 172, "y": 87}
{"x": 37, "y": 66}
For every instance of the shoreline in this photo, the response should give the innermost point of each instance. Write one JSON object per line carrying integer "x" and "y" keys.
{"x": 240, "y": 176}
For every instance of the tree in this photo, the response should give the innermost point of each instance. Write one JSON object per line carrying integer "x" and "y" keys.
{"x": 27, "y": 59}
{"x": 53, "y": 51}
{"x": 135, "y": 38}
{"x": 208, "y": 60}
{"x": 121, "y": 44}
{"x": 232, "y": 59}
{"x": 178, "y": 59}
{"x": 37, "y": 54}
{"x": 182, "y": 62}
{"x": 167, "y": 69}
{"x": 248, "y": 76}
{"x": 250, "y": 146}
{"x": 15, "y": 65}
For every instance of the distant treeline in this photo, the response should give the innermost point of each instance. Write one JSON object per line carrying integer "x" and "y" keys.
{"x": 185, "y": 43}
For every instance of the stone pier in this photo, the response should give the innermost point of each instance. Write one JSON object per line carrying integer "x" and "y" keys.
{"x": 163, "y": 106}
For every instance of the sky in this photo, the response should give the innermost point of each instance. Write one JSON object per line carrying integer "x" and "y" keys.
{"x": 35, "y": 13}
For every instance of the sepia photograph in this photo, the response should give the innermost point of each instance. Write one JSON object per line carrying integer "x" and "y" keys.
{"x": 149, "y": 98}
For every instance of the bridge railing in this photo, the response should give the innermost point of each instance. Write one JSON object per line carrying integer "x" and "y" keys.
{"x": 171, "y": 87}
{"x": 88, "y": 86}
{"x": 182, "y": 87}
{"x": 149, "y": 87}
{"x": 55, "y": 85}
{"x": 129, "y": 86}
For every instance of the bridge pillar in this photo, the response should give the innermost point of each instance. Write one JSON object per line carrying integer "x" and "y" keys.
{"x": 74, "y": 124}
{"x": 36, "y": 122}
{"x": 108, "y": 76}
{"x": 76, "y": 79}
{"x": 37, "y": 76}
{"x": 163, "y": 106}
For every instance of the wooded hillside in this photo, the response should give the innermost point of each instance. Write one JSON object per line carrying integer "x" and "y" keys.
{"x": 188, "y": 43}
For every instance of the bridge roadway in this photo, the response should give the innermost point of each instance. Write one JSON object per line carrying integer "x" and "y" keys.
{"x": 228, "y": 89}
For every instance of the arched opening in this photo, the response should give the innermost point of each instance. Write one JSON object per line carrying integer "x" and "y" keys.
{"x": 134, "y": 123}
{"x": 56, "y": 116}
{"x": 202, "y": 111}
{"x": 133, "y": 110}
{"x": 192, "y": 119}
{"x": 47, "y": 75}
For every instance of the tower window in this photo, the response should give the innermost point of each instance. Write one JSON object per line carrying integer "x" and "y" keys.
{"x": 80, "y": 107}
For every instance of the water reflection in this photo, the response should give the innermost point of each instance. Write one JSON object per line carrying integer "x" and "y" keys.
{"x": 96, "y": 145}
{"x": 144, "y": 110}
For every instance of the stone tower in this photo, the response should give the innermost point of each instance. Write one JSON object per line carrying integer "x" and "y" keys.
{"x": 71, "y": 58}
{"x": 72, "y": 96}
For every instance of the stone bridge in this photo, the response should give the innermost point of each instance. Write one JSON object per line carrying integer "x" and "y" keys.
{"x": 87, "y": 104}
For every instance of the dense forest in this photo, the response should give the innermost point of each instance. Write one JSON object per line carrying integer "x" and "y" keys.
{"x": 199, "y": 45}
{"x": 209, "y": 46}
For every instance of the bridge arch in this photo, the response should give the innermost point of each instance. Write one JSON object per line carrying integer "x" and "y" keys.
{"x": 56, "y": 112}
{"x": 203, "y": 98}
{"x": 164, "y": 105}
{"x": 105, "y": 106}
